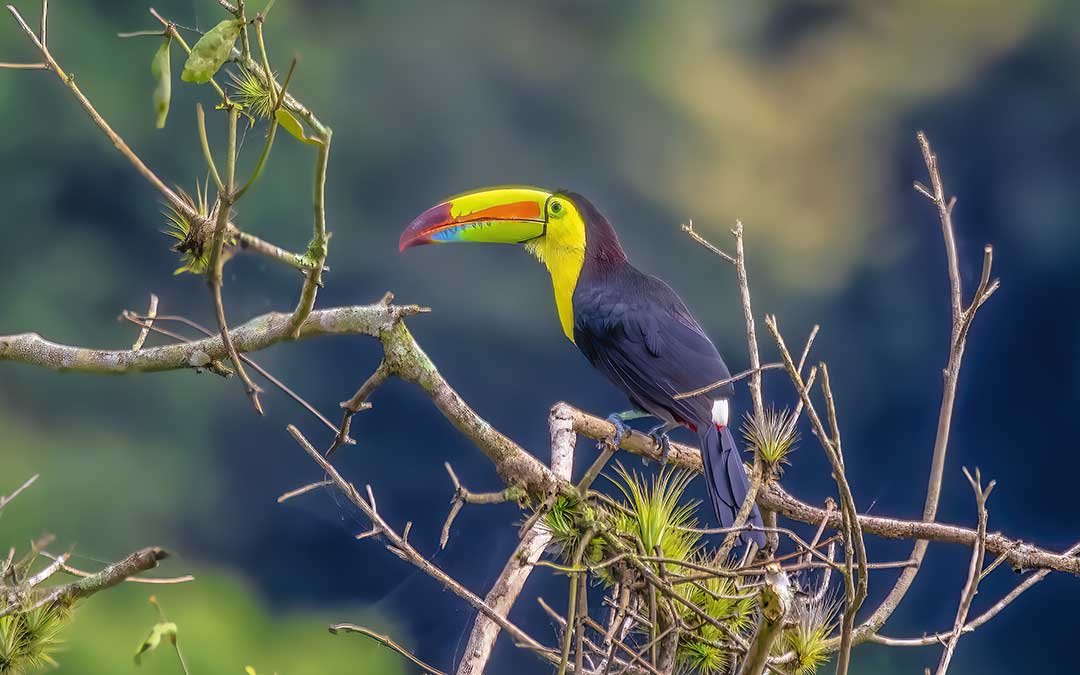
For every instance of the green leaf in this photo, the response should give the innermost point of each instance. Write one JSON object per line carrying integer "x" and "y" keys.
{"x": 211, "y": 51}
{"x": 152, "y": 641}
{"x": 161, "y": 68}
{"x": 293, "y": 126}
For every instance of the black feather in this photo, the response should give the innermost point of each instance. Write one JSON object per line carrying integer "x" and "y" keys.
{"x": 637, "y": 331}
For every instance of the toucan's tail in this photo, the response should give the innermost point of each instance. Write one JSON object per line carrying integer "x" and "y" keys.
{"x": 726, "y": 478}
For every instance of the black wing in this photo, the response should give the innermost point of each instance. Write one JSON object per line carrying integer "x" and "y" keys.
{"x": 637, "y": 331}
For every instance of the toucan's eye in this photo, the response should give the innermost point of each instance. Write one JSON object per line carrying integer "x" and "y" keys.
{"x": 556, "y": 208}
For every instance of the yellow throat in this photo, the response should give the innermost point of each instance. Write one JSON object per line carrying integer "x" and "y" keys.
{"x": 562, "y": 250}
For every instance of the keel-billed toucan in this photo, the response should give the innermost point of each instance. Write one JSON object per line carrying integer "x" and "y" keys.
{"x": 631, "y": 326}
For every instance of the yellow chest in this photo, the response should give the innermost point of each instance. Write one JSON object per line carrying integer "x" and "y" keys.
{"x": 563, "y": 252}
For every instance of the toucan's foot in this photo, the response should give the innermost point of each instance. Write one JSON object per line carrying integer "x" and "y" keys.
{"x": 660, "y": 437}
{"x": 621, "y": 430}
{"x": 664, "y": 443}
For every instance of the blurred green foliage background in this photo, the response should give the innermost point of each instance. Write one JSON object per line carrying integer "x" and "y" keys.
{"x": 796, "y": 117}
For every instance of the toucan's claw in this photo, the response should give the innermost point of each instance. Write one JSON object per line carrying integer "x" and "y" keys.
{"x": 659, "y": 434}
{"x": 621, "y": 431}
{"x": 664, "y": 443}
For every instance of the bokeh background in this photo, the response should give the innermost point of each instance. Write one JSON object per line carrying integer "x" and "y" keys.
{"x": 797, "y": 117}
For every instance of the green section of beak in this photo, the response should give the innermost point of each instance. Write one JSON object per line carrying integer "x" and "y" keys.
{"x": 509, "y": 215}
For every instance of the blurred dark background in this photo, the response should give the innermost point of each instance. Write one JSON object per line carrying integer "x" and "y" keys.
{"x": 796, "y": 117}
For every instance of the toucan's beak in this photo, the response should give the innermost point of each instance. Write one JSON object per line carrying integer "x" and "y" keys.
{"x": 507, "y": 215}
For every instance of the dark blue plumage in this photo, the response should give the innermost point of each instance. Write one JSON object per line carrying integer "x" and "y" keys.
{"x": 637, "y": 331}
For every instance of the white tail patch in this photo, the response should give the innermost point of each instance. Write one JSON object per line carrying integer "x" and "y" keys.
{"x": 720, "y": 412}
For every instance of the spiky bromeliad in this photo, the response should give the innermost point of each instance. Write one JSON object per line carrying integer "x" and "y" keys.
{"x": 631, "y": 326}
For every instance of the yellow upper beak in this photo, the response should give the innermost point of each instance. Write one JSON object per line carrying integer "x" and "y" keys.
{"x": 505, "y": 215}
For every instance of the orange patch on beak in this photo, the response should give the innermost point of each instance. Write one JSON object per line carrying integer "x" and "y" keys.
{"x": 527, "y": 210}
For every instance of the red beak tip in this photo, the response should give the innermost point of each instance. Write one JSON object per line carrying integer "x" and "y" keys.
{"x": 409, "y": 241}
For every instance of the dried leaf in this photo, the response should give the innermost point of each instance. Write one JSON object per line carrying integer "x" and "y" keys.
{"x": 211, "y": 51}
{"x": 289, "y": 123}
{"x": 165, "y": 629}
{"x": 161, "y": 68}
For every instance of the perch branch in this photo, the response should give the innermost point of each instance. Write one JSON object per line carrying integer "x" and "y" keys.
{"x": 1019, "y": 555}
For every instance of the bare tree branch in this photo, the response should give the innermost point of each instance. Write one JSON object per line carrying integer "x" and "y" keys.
{"x": 144, "y": 332}
{"x": 777, "y": 600}
{"x": 257, "y": 334}
{"x": 971, "y": 587}
{"x": 384, "y": 640}
{"x": 1020, "y": 555}
{"x": 400, "y": 546}
{"x": 937, "y": 638}
{"x": 247, "y": 241}
{"x": 961, "y": 321}
{"x": 4, "y": 501}
{"x": 688, "y": 228}
{"x": 651, "y": 628}
{"x": 161, "y": 581}
{"x": 68, "y": 594}
{"x": 506, "y": 589}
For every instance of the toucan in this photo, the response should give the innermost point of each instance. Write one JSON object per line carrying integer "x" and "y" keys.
{"x": 631, "y": 326}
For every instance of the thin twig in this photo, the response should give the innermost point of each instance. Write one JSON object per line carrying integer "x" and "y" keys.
{"x": 358, "y": 403}
{"x": 809, "y": 343}
{"x": 302, "y": 490}
{"x": 386, "y": 641}
{"x": 596, "y": 467}
{"x": 68, "y": 594}
{"x": 148, "y": 323}
{"x": 317, "y": 250}
{"x": 52, "y": 568}
{"x": 961, "y": 322}
{"x": 855, "y": 590}
{"x": 216, "y": 263}
{"x": 204, "y": 143}
{"x": 4, "y": 501}
{"x": 409, "y": 553}
{"x": 688, "y": 228}
{"x": 163, "y": 581}
{"x": 577, "y": 585}
{"x": 138, "y": 320}
{"x": 463, "y": 496}
{"x": 174, "y": 200}
{"x": 757, "y": 474}
{"x": 726, "y": 381}
{"x": 938, "y": 638}
{"x": 971, "y": 587}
